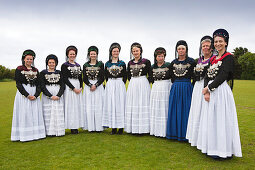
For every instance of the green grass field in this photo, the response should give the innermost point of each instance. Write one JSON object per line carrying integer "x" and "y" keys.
{"x": 105, "y": 151}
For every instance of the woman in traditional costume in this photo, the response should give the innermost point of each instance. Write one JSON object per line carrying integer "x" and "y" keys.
{"x": 115, "y": 91}
{"x": 219, "y": 133}
{"x": 159, "y": 98}
{"x": 93, "y": 94}
{"x": 53, "y": 87}
{"x": 205, "y": 51}
{"x": 72, "y": 76}
{"x": 27, "y": 121}
{"x": 180, "y": 94}
{"x": 137, "y": 112}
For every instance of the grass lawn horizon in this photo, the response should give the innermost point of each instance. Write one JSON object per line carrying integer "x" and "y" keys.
{"x": 105, "y": 151}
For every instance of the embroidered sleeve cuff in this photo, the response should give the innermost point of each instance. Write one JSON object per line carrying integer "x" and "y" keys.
{"x": 210, "y": 89}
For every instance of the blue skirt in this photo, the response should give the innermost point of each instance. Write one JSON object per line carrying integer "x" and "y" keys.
{"x": 178, "y": 112}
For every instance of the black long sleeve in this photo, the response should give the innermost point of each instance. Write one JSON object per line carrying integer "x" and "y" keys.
{"x": 225, "y": 72}
{"x": 193, "y": 76}
{"x": 62, "y": 86}
{"x": 149, "y": 71}
{"x": 106, "y": 75}
{"x": 124, "y": 74}
{"x": 65, "y": 73}
{"x": 101, "y": 76}
{"x": 38, "y": 86}
{"x": 128, "y": 72}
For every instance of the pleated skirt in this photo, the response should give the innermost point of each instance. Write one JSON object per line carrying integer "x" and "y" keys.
{"x": 74, "y": 112}
{"x": 137, "y": 112}
{"x": 195, "y": 113}
{"x": 53, "y": 112}
{"x": 27, "y": 121}
{"x": 159, "y": 101}
{"x": 93, "y": 107}
{"x": 178, "y": 112}
{"x": 218, "y": 133}
{"x": 114, "y": 103}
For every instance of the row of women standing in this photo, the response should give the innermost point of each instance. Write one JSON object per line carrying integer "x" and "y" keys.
{"x": 161, "y": 112}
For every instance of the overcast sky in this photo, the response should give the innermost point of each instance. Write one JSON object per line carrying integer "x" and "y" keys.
{"x": 49, "y": 26}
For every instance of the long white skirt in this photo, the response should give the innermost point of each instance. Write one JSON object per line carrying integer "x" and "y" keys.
{"x": 53, "y": 112}
{"x": 159, "y": 101}
{"x": 114, "y": 103}
{"x": 195, "y": 113}
{"x": 93, "y": 107}
{"x": 27, "y": 121}
{"x": 137, "y": 112}
{"x": 74, "y": 113}
{"x": 218, "y": 131}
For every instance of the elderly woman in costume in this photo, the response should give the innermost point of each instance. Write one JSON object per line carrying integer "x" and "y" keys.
{"x": 93, "y": 77}
{"x": 205, "y": 51}
{"x": 159, "y": 98}
{"x": 27, "y": 121}
{"x": 115, "y": 91}
{"x": 180, "y": 94}
{"x": 137, "y": 113}
{"x": 53, "y": 87}
{"x": 219, "y": 133}
{"x": 72, "y": 76}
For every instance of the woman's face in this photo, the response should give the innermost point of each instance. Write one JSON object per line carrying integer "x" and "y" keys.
{"x": 28, "y": 60}
{"x": 93, "y": 55}
{"x": 115, "y": 53}
{"x": 206, "y": 50}
{"x": 51, "y": 64}
{"x": 181, "y": 50}
{"x": 160, "y": 58}
{"x": 71, "y": 55}
{"x": 136, "y": 52}
{"x": 220, "y": 44}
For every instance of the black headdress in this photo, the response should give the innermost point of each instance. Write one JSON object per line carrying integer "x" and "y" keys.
{"x": 205, "y": 39}
{"x": 221, "y": 33}
{"x": 71, "y": 47}
{"x": 25, "y": 53}
{"x": 51, "y": 56}
{"x": 158, "y": 51}
{"x": 181, "y": 42}
{"x": 114, "y": 45}
{"x": 92, "y": 48}
{"x": 138, "y": 46}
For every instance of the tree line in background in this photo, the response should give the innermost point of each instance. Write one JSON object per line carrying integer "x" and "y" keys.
{"x": 244, "y": 66}
{"x": 6, "y": 73}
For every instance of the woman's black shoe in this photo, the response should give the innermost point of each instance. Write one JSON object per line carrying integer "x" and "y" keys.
{"x": 120, "y": 132}
{"x": 114, "y": 131}
{"x": 74, "y": 131}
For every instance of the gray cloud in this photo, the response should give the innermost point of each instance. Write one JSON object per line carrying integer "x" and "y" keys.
{"x": 50, "y": 26}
